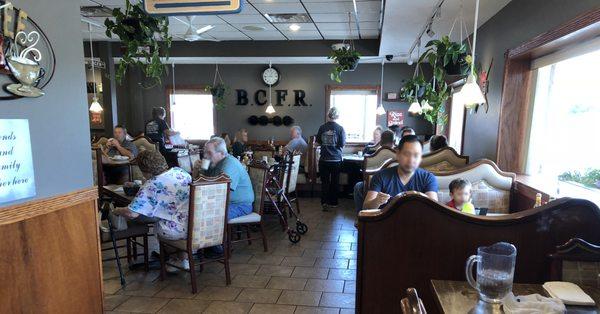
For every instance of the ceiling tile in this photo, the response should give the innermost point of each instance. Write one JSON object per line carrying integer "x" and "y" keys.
{"x": 336, "y": 26}
{"x": 266, "y": 35}
{"x": 303, "y": 27}
{"x": 229, "y": 35}
{"x": 368, "y": 7}
{"x": 273, "y": 1}
{"x": 369, "y": 33}
{"x": 267, "y": 27}
{"x": 369, "y": 25}
{"x": 243, "y": 19}
{"x": 286, "y": 7}
{"x": 338, "y": 35}
{"x": 329, "y": 7}
{"x": 302, "y": 35}
{"x": 343, "y": 17}
{"x": 247, "y": 10}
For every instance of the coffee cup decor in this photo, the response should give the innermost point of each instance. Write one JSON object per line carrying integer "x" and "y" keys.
{"x": 27, "y": 53}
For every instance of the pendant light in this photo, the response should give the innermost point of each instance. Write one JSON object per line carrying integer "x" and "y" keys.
{"x": 95, "y": 106}
{"x": 470, "y": 94}
{"x": 380, "y": 110}
{"x": 270, "y": 108}
{"x": 415, "y": 107}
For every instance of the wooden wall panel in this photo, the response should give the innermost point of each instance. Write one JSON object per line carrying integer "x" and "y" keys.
{"x": 50, "y": 260}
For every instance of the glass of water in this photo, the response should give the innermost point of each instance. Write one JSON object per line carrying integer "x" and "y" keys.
{"x": 495, "y": 271}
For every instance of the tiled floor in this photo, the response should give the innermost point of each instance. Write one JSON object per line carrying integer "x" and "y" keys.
{"x": 316, "y": 275}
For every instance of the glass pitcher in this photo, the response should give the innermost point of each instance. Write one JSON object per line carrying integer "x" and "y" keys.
{"x": 495, "y": 271}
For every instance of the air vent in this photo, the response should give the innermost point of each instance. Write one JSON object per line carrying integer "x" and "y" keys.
{"x": 289, "y": 18}
{"x": 96, "y": 11}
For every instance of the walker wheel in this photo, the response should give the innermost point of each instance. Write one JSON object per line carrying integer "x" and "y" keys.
{"x": 293, "y": 236}
{"x": 301, "y": 227}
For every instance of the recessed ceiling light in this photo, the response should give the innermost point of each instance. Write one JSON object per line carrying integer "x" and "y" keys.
{"x": 294, "y": 27}
{"x": 254, "y": 28}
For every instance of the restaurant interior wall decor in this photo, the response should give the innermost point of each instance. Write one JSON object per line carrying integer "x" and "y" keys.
{"x": 516, "y": 23}
{"x": 58, "y": 121}
{"x": 135, "y": 104}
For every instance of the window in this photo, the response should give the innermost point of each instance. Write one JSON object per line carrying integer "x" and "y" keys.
{"x": 357, "y": 108}
{"x": 563, "y": 140}
{"x": 192, "y": 114}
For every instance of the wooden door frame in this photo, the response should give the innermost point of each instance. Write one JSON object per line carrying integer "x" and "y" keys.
{"x": 517, "y": 88}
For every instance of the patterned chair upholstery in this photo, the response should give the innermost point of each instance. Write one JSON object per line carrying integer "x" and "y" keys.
{"x": 209, "y": 198}
{"x": 491, "y": 187}
{"x": 143, "y": 143}
{"x": 445, "y": 159}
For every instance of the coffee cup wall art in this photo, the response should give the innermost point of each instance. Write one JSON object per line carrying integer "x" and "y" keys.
{"x": 27, "y": 60}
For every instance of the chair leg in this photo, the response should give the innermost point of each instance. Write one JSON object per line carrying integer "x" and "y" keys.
{"x": 128, "y": 245}
{"x": 229, "y": 235}
{"x": 146, "y": 263}
{"x": 226, "y": 262}
{"x": 264, "y": 238}
{"x": 163, "y": 266}
{"x": 192, "y": 271}
{"x": 134, "y": 248}
{"x": 248, "y": 234}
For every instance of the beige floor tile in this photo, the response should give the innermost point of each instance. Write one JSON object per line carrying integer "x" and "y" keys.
{"x": 237, "y": 258}
{"x": 111, "y": 301}
{"x": 336, "y": 245}
{"x": 307, "y": 298}
{"x": 332, "y": 263}
{"x": 341, "y": 300}
{"x": 271, "y": 270}
{"x": 266, "y": 259}
{"x": 185, "y": 306}
{"x": 111, "y": 286}
{"x": 144, "y": 289}
{"x": 247, "y": 281}
{"x": 345, "y": 254}
{"x": 286, "y": 283}
{"x": 180, "y": 290}
{"x": 310, "y": 272}
{"x": 316, "y": 310}
{"x": 243, "y": 269}
{"x": 347, "y": 238}
{"x": 298, "y": 261}
{"x": 142, "y": 305}
{"x": 218, "y": 293}
{"x": 272, "y": 309}
{"x": 223, "y": 307}
{"x": 258, "y": 295}
{"x": 325, "y": 285}
{"x": 319, "y": 253}
{"x": 347, "y": 311}
{"x": 350, "y": 287}
{"x": 344, "y": 274}
{"x": 289, "y": 251}
{"x": 352, "y": 264}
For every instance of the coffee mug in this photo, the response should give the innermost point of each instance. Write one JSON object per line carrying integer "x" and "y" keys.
{"x": 26, "y": 71}
{"x": 205, "y": 164}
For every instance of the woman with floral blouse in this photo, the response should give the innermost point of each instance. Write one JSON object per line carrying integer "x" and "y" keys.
{"x": 164, "y": 197}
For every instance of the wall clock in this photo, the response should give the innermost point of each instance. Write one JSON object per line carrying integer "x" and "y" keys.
{"x": 271, "y": 76}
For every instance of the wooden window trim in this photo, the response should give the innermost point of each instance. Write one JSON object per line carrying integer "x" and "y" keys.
{"x": 330, "y": 88}
{"x": 518, "y": 83}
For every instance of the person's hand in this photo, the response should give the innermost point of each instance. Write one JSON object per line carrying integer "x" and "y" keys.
{"x": 110, "y": 142}
{"x": 382, "y": 198}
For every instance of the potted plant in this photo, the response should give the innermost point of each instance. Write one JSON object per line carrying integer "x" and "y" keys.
{"x": 414, "y": 87}
{"x": 345, "y": 58}
{"x": 450, "y": 56}
{"x": 218, "y": 91}
{"x": 143, "y": 38}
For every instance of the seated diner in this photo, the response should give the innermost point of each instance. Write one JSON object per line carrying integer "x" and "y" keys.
{"x": 258, "y": 156}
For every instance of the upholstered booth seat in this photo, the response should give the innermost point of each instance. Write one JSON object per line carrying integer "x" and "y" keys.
{"x": 445, "y": 159}
{"x": 491, "y": 187}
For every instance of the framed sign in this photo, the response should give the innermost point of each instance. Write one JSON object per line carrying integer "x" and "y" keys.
{"x": 192, "y": 7}
{"x": 16, "y": 163}
{"x": 395, "y": 117}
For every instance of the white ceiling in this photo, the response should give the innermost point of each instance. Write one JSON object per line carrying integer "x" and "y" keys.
{"x": 330, "y": 20}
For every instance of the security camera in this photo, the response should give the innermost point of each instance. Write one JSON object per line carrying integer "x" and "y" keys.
{"x": 389, "y": 57}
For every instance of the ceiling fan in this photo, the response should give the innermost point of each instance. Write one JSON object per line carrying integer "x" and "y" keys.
{"x": 193, "y": 33}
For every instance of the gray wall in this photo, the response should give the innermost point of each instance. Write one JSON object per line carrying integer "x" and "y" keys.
{"x": 516, "y": 23}
{"x": 58, "y": 121}
{"x": 135, "y": 103}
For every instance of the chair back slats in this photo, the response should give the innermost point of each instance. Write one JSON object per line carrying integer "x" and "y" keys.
{"x": 209, "y": 198}
{"x": 257, "y": 170}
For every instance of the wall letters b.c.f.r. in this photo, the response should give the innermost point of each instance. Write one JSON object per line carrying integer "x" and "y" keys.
{"x": 260, "y": 98}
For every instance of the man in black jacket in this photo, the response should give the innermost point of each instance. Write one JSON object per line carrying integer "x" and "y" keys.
{"x": 332, "y": 138}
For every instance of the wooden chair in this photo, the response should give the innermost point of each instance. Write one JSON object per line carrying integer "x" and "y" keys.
{"x": 382, "y": 158}
{"x": 567, "y": 263}
{"x": 257, "y": 171}
{"x": 412, "y": 304}
{"x": 207, "y": 221}
{"x": 444, "y": 159}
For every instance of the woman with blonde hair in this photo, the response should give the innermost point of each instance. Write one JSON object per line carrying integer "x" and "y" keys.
{"x": 239, "y": 143}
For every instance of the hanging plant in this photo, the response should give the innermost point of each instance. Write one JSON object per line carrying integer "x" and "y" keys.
{"x": 143, "y": 38}
{"x": 218, "y": 90}
{"x": 449, "y": 56}
{"x": 345, "y": 59}
{"x": 414, "y": 88}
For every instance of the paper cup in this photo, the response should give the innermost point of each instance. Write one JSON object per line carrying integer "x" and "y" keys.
{"x": 205, "y": 164}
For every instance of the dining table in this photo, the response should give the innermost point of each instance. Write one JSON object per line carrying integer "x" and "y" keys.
{"x": 459, "y": 297}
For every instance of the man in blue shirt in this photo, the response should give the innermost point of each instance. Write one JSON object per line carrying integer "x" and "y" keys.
{"x": 405, "y": 177}
{"x": 241, "y": 195}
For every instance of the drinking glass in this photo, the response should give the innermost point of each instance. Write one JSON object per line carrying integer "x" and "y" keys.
{"x": 495, "y": 271}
